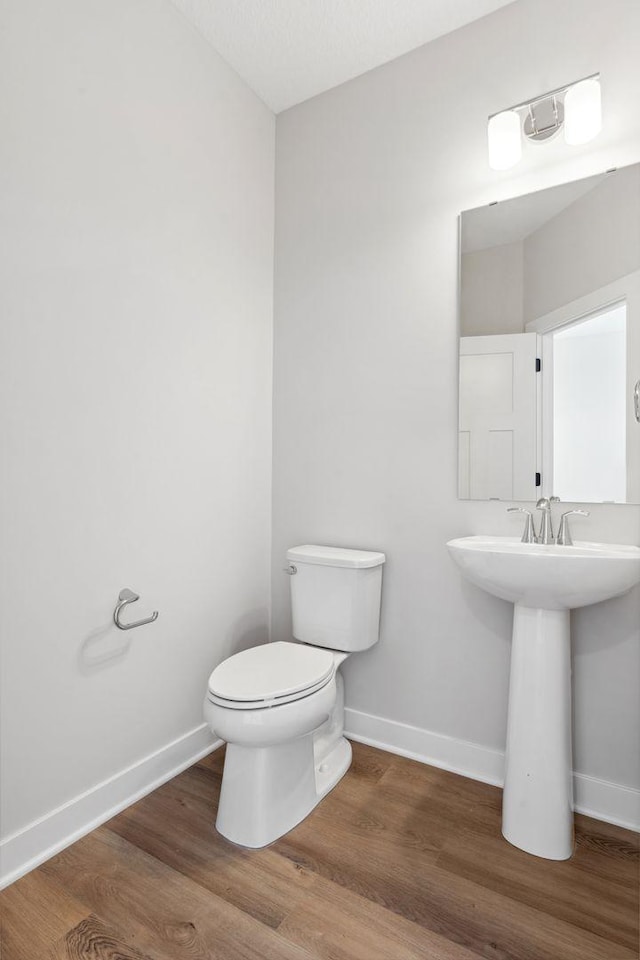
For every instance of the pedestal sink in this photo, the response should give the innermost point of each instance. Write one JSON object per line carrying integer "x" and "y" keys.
{"x": 544, "y": 582}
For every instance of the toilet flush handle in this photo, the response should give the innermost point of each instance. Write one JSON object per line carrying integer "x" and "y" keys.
{"x": 290, "y": 570}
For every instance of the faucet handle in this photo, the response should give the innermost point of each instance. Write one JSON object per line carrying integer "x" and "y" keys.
{"x": 529, "y": 534}
{"x": 564, "y": 535}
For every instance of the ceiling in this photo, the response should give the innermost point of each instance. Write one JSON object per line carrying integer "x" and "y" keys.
{"x": 290, "y": 50}
{"x": 513, "y": 220}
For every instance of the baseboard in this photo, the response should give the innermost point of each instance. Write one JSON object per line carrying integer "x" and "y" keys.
{"x": 611, "y": 802}
{"x": 42, "y": 839}
{"x": 603, "y": 800}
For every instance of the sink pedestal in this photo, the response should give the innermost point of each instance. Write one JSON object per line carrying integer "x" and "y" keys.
{"x": 537, "y": 803}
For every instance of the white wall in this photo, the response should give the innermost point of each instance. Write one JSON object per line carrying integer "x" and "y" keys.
{"x": 566, "y": 258}
{"x": 136, "y": 286}
{"x": 491, "y": 297}
{"x": 371, "y": 178}
{"x": 508, "y": 285}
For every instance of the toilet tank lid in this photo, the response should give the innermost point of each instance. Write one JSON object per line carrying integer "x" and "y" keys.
{"x": 334, "y": 556}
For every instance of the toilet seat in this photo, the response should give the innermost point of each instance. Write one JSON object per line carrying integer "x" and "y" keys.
{"x": 271, "y": 674}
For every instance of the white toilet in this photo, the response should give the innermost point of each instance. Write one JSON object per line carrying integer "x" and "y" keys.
{"x": 280, "y": 706}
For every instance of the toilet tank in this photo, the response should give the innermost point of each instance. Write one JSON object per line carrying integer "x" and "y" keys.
{"x": 335, "y": 596}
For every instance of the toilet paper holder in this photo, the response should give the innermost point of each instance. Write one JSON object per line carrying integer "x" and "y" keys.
{"x": 126, "y": 597}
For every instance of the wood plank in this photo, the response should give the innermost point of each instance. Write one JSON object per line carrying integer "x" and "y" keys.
{"x": 369, "y": 765}
{"x": 561, "y": 889}
{"x": 159, "y": 910}
{"x": 400, "y": 861}
{"x": 402, "y": 876}
{"x": 453, "y": 801}
{"x": 35, "y": 912}
{"x": 608, "y": 850}
{"x": 372, "y": 821}
{"x": 335, "y": 924}
{"x": 597, "y": 889}
{"x": 93, "y": 940}
{"x": 175, "y": 824}
{"x": 213, "y": 761}
{"x": 412, "y": 807}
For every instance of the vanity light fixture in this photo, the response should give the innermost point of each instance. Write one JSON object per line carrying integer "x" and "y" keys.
{"x": 576, "y": 107}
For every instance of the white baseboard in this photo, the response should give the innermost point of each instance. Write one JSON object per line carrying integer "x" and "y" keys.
{"x": 42, "y": 839}
{"x": 603, "y": 800}
{"x": 611, "y": 802}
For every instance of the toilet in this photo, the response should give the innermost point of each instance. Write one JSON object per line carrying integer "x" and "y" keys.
{"x": 280, "y": 706}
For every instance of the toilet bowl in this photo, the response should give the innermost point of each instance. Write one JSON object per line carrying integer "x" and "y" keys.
{"x": 284, "y": 753}
{"x": 280, "y": 706}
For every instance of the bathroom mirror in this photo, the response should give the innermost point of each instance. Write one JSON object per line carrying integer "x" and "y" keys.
{"x": 549, "y": 376}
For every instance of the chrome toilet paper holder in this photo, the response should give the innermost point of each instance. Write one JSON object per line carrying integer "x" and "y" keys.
{"x": 126, "y": 597}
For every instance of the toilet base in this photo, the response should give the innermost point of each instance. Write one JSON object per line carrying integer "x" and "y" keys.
{"x": 333, "y": 767}
{"x": 266, "y": 791}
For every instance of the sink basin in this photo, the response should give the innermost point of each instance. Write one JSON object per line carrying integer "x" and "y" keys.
{"x": 547, "y": 576}
{"x": 544, "y": 582}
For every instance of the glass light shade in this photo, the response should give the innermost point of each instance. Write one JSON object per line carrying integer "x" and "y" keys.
{"x": 582, "y": 111}
{"x": 505, "y": 143}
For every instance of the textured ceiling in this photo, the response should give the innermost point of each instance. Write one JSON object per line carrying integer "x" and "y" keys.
{"x": 290, "y": 50}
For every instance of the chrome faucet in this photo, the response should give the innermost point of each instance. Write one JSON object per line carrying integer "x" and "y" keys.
{"x": 564, "y": 534}
{"x": 546, "y": 527}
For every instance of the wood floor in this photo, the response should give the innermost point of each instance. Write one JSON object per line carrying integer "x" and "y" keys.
{"x": 400, "y": 862}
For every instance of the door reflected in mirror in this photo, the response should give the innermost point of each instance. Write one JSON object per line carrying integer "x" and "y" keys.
{"x": 550, "y": 344}
{"x": 588, "y": 402}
